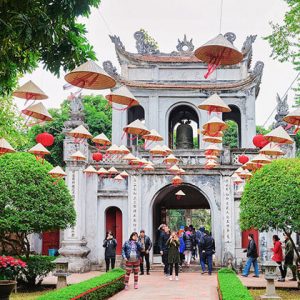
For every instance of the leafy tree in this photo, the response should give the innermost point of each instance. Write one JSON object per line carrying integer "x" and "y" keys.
{"x": 98, "y": 117}
{"x": 261, "y": 130}
{"x": 30, "y": 201}
{"x": 271, "y": 198}
{"x": 44, "y": 32}
{"x": 230, "y": 138}
{"x": 11, "y": 125}
{"x": 285, "y": 39}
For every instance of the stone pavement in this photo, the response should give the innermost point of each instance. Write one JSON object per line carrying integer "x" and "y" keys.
{"x": 191, "y": 286}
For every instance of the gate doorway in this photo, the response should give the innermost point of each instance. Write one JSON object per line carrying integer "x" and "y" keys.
{"x": 114, "y": 224}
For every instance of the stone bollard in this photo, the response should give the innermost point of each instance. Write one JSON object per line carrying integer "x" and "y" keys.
{"x": 270, "y": 276}
{"x": 61, "y": 272}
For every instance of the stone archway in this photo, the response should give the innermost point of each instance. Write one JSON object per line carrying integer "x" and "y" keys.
{"x": 165, "y": 199}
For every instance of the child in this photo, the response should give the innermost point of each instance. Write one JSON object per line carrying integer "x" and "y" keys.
{"x": 173, "y": 254}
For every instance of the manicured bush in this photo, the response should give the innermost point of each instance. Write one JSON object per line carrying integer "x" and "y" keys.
{"x": 230, "y": 287}
{"x": 97, "y": 288}
{"x": 38, "y": 267}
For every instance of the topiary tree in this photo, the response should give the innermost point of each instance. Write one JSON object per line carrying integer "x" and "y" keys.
{"x": 30, "y": 201}
{"x": 271, "y": 198}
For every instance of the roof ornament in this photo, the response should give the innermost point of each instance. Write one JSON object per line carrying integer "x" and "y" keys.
{"x": 282, "y": 109}
{"x": 117, "y": 41}
{"x": 247, "y": 48}
{"x": 185, "y": 45}
{"x": 142, "y": 45}
{"x": 110, "y": 69}
{"x": 230, "y": 36}
{"x": 257, "y": 73}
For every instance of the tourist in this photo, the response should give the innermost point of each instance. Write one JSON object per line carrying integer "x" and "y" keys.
{"x": 173, "y": 254}
{"x": 131, "y": 254}
{"x": 194, "y": 251}
{"x": 188, "y": 241}
{"x": 110, "y": 245}
{"x": 278, "y": 254}
{"x": 146, "y": 247}
{"x": 288, "y": 258}
{"x": 199, "y": 240}
{"x": 164, "y": 248}
{"x": 252, "y": 257}
{"x": 181, "y": 249}
{"x": 208, "y": 250}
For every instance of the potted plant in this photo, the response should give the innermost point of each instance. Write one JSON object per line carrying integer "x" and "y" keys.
{"x": 10, "y": 267}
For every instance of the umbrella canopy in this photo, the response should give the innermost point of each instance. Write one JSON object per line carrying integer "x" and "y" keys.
{"x": 129, "y": 157}
{"x": 261, "y": 159}
{"x": 78, "y": 156}
{"x": 136, "y": 128}
{"x": 119, "y": 178}
{"x": 124, "y": 150}
{"x": 167, "y": 149}
{"x": 176, "y": 180}
{"x": 30, "y": 91}
{"x": 279, "y": 135}
{"x": 214, "y": 157}
{"x": 80, "y": 132}
{"x": 101, "y": 139}
{"x": 212, "y": 150}
{"x": 37, "y": 111}
{"x": 212, "y": 139}
{"x": 90, "y": 76}
{"x": 245, "y": 174}
{"x": 39, "y": 149}
{"x": 214, "y": 104}
{"x": 153, "y": 136}
{"x": 5, "y": 146}
{"x": 293, "y": 117}
{"x": 123, "y": 96}
{"x": 124, "y": 174}
{"x": 174, "y": 169}
{"x": 102, "y": 172}
{"x": 210, "y": 164}
{"x": 219, "y": 51}
{"x": 239, "y": 170}
{"x": 180, "y": 193}
{"x": 171, "y": 159}
{"x": 181, "y": 171}
{"x": 214, "y": 134}
{"x": 113, "y": 170}
{"x": 271, "y": 149}
{"x": 148, "y": 168}
{"x": 57, "y": 172}
{"x": 90, "y": 170}
{"x": 214, "y": 125}
{"x": 237, "y": 179}
{"x": 113, "y": 149}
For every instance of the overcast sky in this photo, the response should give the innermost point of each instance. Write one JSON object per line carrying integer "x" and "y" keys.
{"x": 168, "y": 20}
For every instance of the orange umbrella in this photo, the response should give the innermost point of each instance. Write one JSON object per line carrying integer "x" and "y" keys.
{"x": 113, "y": 150}
{"x": 122, "y": 96}
{"x": 174, "y": 169}
{"x": 80, "y": 132}
{"x": 171, "y": 159}
{"x": 5, "y": 147}
{"x": 78, "y": 156}
{"x": 39, "y": 151}
{"x": 136, "y": 128}
{"x": 279, "y": 135}
{"x": 271, "y": 149}
{"x": 57, "y": 172}
{"x": 90, "y": 76}
{"x": 167, "y": 149}
{"x": 118, "y": 178}
{"x": 101, "y": 139}
{"x": 129, "y": 157}
{"x": 153, "y": 136}
{"x": 90, "y": 170}
{"x": 212, "y": 139}
{"x": 113, "y": 171}
{"x": 124, "y": 150}
{"x": 212, "y": 150}
{"x": 157, "y": 150}
{"x": 102, "y": 172}
{"x": 293, "y": 118}
{"x": 30, "y": 91}
{"x": 214, "y": 134}
{"x": 148, "y": 168}
{"x": 176, "y": 180}
{"x": 37, "y": 111}
{"x": 214, "y": 104}
{"x": 210, "y": 164}
{"x": 124, "y": 174}
{"x": 214, "y": 125}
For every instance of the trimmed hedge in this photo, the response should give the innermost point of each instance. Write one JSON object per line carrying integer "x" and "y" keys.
{"x": 230, "y": 287}
{"x": 97, "y": 288}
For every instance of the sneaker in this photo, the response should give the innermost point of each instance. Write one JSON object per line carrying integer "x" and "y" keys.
{"x": 281, "y": 280}
{"x": 148, "y": 273}
{"x": 176, "y": 278}
{"x": 171, "y": 278}
{"x": 126, "y": 287}
{"x": 136, "y": 286}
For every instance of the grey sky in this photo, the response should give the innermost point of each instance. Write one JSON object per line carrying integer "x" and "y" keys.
{"x": 168, "y": 20}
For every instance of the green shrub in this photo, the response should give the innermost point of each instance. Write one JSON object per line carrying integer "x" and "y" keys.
{"x": 230, "y": 286}
{"x": 38, "y": 266}
{"x": 97, "y": 288}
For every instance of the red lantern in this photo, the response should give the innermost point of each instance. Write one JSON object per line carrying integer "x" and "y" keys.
{"x": 259, "y": 141}
{"x": 97, "y": 156}
{"x": 243, "y": 159}
{"x": 45, "y": 138}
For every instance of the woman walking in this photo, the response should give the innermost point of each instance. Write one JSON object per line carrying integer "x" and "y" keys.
{"x": 278, "y": 254}
{"x": 173, "y": 254}
{"x": 131, "y": 254}
{"x": 110, "y": 245}
{"x": 252, "y": 257}
{"x": 188, "y": 241}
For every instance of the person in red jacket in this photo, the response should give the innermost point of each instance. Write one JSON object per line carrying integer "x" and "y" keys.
{"x": 278, "y": 254}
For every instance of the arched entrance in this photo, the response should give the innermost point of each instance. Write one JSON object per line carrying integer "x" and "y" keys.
{"x": 114, "y": 223}
{"x": 192, "y": 209}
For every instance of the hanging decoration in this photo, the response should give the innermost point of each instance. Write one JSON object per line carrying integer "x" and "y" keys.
{"x": 181, "y": 171}
{"x": 210, "y": 164}
{"x": 158, "y": 151}
{"x": 102, "y": 172}
{"x": 113, "y": 152}
{"x": 213, "y": 134}
{"x": 259, "y": 141}
{"x": 151, "y": 137}
{"x": 212, "y": 139}
{"x": 101, "y": 141}
{"x": 174, "y": 169}
{"x": 78, "y": 156}
{"x": 5, "y": 147}
{"x": 122, "y": 96}
{"x": 271, "y": 149}
{"x": 176, "y": 180}
{"x": 243, "y": 159}
{"x": 112, "y": 171}
{"x": 179, "y": 195}
{"x": 216, "y": 52}
{"x": 236, "y": 179}
{"x": 214, "y": 157}
{"x": 135, "y": 129}
{"x": 261, "y": 159}
{"x": 118, "y": 178}
{"x": 214, "y": 104}
{"x": 45, "y": 138}
{"x": 167, "y": 149}
{"x": 245, "y": 174}
{"x": 90, "y": 170}
{"x": 279, "y": 135}
{"x": 97, "y": 156}
{"x": 37, "y": 111}
{"x": 124, "y": 174}
{"x": 148, "y": 168}
{"x": 129, "y": 157}
{"x": 90, "y": 76}
{"x": 170, "y": 159}
{"x": 39, "y": 151}
{"x": 57, "y": 173}
{"x": 213, "y": 126}
{"x": 212, "y": 150}
{"x": 293, "y": 118}
{"x": 124, "y": 150}
{"x": 80, "y": 134}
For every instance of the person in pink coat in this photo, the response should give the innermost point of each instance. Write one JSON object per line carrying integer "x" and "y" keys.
{"x": 278, "y": 254}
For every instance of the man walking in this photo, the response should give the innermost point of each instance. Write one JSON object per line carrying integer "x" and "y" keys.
{"x": 252, "y": 257}
{"x": 208, "y": 249}
{"x": 199, "y": 240}
{"x": 146, "y": 247}
{"x": 163, "y": 248}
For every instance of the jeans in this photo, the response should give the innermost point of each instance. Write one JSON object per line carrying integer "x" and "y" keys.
{"x": 279, "y": 263}
{"x": 188, "y": 256}
{"x": 165, "y": 262}
{"x": 146, "y": 255}
{"x": 203, "y": 258}
{"x": 112, "y": 260}
{"x": 251, "y": 260}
